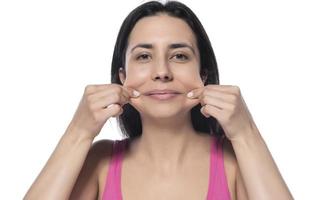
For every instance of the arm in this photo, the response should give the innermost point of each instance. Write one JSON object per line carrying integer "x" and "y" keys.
{"x": 258, "y": 171}
{"x": 58, "y": 177}
{"x": 60, "y": 173}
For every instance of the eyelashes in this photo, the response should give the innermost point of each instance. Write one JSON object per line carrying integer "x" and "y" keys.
{"x": 142, "y": 57}
{"x": 177, "y": 56}
{"x": 183, "y": 57}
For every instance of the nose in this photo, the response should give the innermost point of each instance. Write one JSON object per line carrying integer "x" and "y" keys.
{"x": 162, "y": 72}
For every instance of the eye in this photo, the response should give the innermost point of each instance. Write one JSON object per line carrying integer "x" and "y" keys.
{"x": 142, "y": 57}
{"x": 180, "y": 57}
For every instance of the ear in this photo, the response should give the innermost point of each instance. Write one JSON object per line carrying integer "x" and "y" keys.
{"x": 122, "y": 75}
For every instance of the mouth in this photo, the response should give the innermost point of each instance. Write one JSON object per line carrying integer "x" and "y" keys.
{"x": 163, "y": 95}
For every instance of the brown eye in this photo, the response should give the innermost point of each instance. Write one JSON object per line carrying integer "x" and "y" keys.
{"x": 142, "y": 57}
{"x": 181, "y": 57}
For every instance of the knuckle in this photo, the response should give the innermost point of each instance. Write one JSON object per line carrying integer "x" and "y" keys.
{"x": 115, "y": 97}
{"x": 231, "y": 98}
{"x": 114, "y": 85}
{"x": 236, "y": 89}
{"x": 206, "y": 92}
{"x": 206, "y": 99}
{"x": 234, "y": 98}
{"x": 117, "y": 89}
{"x": 88, "y": 89}
{"x": 89, "y": 98}
{"x": 203, "y": 94}
{"x": 115, "y": 109}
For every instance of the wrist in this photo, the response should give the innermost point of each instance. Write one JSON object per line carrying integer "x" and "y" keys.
{"x": 247, "y": 137}
{"x": 79, "y": 134}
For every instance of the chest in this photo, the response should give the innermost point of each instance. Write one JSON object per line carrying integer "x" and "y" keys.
{"x": 143, "y": 183}
{"x": 139, "y": 181}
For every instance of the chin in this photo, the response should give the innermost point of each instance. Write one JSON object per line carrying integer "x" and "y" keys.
{"x": 163, "y": 111}
{"x": 163, "y": 116}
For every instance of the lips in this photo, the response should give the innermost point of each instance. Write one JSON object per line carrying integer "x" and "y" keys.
{"x": 162, "y": 94}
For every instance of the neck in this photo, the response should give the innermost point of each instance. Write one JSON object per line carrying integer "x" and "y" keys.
{"x": 167, "y": 143}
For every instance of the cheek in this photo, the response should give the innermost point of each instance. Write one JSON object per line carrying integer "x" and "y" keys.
{"x": 136, "y": 77}
{"x": 191, "y": 79}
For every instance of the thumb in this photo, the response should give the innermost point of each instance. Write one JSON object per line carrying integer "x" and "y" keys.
{"x": 131, "y": 92}
{"x": 195, "y": 93}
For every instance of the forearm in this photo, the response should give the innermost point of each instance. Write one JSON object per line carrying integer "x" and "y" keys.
{"x": 57, "y": 178}
{"x": 259, "y": 172}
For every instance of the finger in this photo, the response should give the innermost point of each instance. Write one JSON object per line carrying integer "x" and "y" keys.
{"x": 105, "y": 101}
{"x": 214, "y": 101}
{"x": 130, "y": 92}
{"x": 101, "y": 93}
{"x": 195, "y": 93}
{"x": 204, "y": 113}
{"x": 91, "y": 89}
{"x": 227, "y": 97}
{"x": 112, "y": 95}
{"x": 209, "y": 110}
{"x": 232, "y": 89}
{"x": 112, "y": 110}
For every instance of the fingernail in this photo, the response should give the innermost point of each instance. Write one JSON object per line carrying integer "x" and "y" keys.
{"x": 110, "y": 105}
{"x": 136, "y": 93}
{"x": 190, "y": 94}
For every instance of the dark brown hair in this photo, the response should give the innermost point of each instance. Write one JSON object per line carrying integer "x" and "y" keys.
{"x": 129, "y": 121}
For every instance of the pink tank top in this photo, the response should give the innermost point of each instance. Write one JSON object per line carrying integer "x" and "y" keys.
{"x": 217, "y": 188}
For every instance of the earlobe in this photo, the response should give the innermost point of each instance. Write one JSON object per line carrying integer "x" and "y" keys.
{"x": 122, "y": 75}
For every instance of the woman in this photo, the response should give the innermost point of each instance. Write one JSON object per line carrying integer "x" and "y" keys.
{"x": 187, "y": 137}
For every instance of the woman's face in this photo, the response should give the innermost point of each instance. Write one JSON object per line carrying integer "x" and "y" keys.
{"x": 162, "y": 54}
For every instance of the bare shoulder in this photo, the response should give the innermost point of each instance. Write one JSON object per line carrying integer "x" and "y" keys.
{"x": 87, "y": 185}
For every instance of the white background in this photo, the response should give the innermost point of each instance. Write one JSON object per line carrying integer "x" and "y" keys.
{"x": 50, "y": 50}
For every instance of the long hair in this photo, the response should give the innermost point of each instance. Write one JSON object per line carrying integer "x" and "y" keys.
{"x": 130, "y": 121}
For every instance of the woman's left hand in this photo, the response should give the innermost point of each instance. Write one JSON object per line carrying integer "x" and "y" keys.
{"x": 225, "y": 103}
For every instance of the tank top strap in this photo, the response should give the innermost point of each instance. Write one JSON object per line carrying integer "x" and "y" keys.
{"x": 112, "y": 189}
{"x": 218, "y": 187}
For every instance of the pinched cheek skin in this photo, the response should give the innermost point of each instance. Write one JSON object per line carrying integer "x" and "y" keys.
{"x": 190, "y": 82}
{"x": 190, "y": 86}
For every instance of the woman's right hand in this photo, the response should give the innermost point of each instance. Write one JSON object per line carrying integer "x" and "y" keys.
{"x": 98, "y": 104}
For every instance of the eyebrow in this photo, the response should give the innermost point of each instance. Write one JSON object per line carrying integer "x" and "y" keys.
{"x": 171, "y": 46}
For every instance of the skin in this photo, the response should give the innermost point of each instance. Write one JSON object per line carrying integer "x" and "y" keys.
{"x": 167, "y": 131}
{"x": 170, "y": 158}
{"x": 169, "y": 145}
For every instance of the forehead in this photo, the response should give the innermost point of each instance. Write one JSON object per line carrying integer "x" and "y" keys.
{"x": 161, "y": 29}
